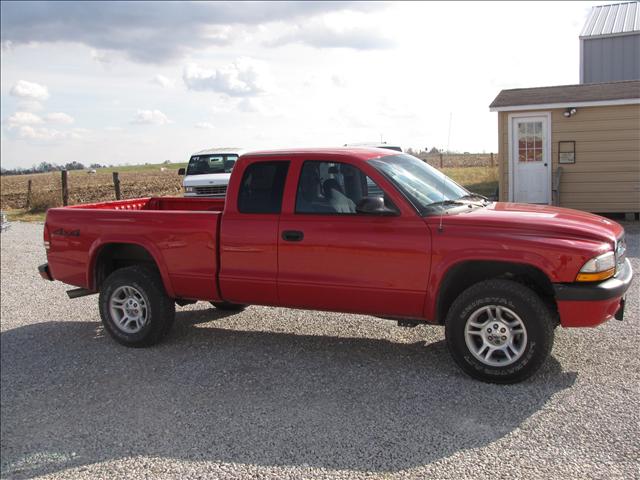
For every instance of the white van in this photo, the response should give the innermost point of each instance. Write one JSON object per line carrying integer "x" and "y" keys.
{"x": 208, "y": 172}
{"x": 397, "y": 148}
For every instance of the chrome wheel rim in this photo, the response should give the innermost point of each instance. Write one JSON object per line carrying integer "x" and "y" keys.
{"x": 495, "y": 335}
{"x": 128, "y": 309}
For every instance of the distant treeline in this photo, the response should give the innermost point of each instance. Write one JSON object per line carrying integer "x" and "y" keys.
{"x": 44, "y": 167}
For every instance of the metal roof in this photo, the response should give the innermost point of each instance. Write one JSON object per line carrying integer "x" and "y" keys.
{"x": 613, "y": 19}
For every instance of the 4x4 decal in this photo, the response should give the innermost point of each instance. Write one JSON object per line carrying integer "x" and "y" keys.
{"x": 66, "y": 233}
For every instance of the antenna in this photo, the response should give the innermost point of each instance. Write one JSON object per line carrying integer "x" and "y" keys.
{"x": 442, "y": 183}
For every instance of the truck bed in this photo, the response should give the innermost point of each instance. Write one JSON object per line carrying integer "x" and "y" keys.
{"x": 180, "y": 234}
{"x": 159, "y": 203}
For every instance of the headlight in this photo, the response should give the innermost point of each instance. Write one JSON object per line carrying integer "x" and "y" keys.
{"x": 189, "y": 189}
{"x": 598, "y": 268}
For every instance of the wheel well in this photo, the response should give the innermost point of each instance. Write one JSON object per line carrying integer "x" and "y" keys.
{"x": 462, "y": 276}
{"x": 114, "y": 256}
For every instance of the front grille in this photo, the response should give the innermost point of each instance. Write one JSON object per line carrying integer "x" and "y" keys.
{"x": 217, "y": 190}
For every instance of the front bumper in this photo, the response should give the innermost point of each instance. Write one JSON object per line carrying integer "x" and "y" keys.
{"x": 44, "y": 272}
{"x": 588, "y": 305}
{"x": 202, "y": 195}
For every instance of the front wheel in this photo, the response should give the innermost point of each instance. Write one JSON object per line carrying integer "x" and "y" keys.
{"x": 134, "y": 306}
{"x": 499, "y": 331}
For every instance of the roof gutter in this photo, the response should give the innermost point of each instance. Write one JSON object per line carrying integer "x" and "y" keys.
{"x": 546, "y": 106}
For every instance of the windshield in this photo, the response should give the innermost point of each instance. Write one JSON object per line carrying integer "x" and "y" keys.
{"x": 202, "y": 164}
{"x": 428, "y": 189}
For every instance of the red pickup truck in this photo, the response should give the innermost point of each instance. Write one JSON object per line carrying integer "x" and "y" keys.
{"x": 350, "y": 230}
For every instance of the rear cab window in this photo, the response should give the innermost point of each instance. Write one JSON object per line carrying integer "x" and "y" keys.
{"x": 262, "y": 187}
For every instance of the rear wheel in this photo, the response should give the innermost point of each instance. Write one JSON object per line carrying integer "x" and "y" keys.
{"x": 230, "y": 307}
{"x": 499, "y": 331}
{"x": 134, "y": 306}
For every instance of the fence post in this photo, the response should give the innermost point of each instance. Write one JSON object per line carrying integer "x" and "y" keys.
{"x": 492, "y": 164}
{"x": 116, "y": 185}
{"x": 65, "y": 188}
{"x": 28, "y": 206}
{"x": 441, "y": 165}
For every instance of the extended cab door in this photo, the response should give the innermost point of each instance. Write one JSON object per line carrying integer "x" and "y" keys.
{"x": 332, "y": 258}
{"x": 249, "y": 232}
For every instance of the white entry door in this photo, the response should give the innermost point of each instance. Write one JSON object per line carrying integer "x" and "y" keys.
{"x": 530, "y": 159}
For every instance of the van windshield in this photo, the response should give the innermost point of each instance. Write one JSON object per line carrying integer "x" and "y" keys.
{"x": 203, "y": 164}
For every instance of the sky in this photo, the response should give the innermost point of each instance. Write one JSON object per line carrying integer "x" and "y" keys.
{"x": 129, "y": 82}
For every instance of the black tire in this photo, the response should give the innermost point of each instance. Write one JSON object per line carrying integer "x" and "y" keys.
{"x": 159, "y": 312}
{"x": 532, "y": 312}
{"x": 229, "y": 307}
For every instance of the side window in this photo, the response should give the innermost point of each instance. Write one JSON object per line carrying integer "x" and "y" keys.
{"x": 262, "y": 187}
{"x": 333, "y": 188}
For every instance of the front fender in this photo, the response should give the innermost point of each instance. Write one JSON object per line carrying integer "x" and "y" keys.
{"x": 559, "y": 259}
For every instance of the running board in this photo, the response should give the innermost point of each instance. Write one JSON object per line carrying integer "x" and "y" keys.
{"x": 79, "y": 292}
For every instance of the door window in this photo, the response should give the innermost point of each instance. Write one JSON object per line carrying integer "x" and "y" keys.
{"x": 262, "y": 187}
{"x": 334, "y": 188}
{"x": 530, "y": 142}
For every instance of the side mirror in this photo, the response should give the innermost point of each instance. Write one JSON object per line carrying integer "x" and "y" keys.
{"x": 374, "y": 206}
{"x": 181, "y": 171}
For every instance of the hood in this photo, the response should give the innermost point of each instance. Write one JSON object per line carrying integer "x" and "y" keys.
{"x": 206, "y": 179}
{"x": 542, "y": 220}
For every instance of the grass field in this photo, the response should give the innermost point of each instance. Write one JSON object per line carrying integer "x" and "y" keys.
{"x": 84, "y": 187}
{"x": 149, "y": 180}
{"x": 482, "y": 180}
{"x": 149, "y": 167}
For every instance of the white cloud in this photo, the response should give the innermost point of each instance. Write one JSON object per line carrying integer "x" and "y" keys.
{"x": 59, "y": 117}
{"x": 252, "y": 105}
{"x": 30, "y": 106}
{"x": 324, "y": 35}
{"x": 150, "y": 117}
{"x": 205, "y": 125}
{"x": 23, "y": 118}
{"x": 29, "y": 91}
{"x": 243, "y": 78}
{"x": 168, "y": 30}
{"x": 101, "y": 57}
{"x": 338, "y": 81}
{"x": 28, "y": 126}
{"x": 44, "y": 134}
{"x": 163, "y": 81}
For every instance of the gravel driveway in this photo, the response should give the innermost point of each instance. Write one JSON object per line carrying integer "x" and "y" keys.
{"x": 276, "y": 393}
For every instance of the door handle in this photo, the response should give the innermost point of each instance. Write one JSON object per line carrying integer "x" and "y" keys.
{"x": 292, "y": 235}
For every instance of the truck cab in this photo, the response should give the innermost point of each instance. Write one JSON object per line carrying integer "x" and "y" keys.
{"x": 208, "y": 172}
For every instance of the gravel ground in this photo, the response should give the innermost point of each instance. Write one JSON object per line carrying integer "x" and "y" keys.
{"x": 277, "y": 393}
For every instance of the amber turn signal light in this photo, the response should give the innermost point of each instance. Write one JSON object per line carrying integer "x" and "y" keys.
{"x": 595, "y": 277}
